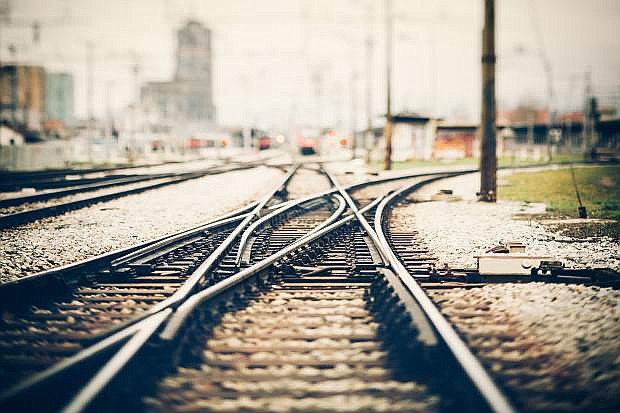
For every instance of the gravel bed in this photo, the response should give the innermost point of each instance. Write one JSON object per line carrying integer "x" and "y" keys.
{"x": 106, "y": 226}
{"x": 307, "y": 182}
{"x": 474, "y": 227}
{"x": 553, "y": 347}
{"x": 369, "y": 193}
{"x": 78, "y": 196}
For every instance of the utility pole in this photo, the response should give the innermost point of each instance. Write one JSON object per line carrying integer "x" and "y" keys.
{"x": 488, "y": 156}
{"x": 317, "y": 80}
{"x": 370, "y": 136}
{"x": 135, "y": 126}
{"x": 589, "y": 124}
{"x": 89, "y": 97}
{"x": 353, "y": 113}
{"x": 5, "y": 14}
{"x": 387, "y": 132}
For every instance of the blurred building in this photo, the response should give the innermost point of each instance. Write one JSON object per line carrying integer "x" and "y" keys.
{"x": 187, "y": 100}
{"x": 455, "y": 141}
{"x": 413, "y": 136}
{"x": 59, "y": 98}
{"x": 23, "y": 99}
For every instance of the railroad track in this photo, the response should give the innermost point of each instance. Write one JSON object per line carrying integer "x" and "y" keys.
{"x": 69, "y": 188}
{"x": 24, "y": 209}
{"x": 306, "y": 309}
{"x": 58, "y": 178}
{"x": 51, "y": 315}
{"x": 519, "y": 359}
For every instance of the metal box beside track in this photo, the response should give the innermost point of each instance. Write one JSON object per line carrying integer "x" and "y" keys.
{"x": 509, "y": 259}
{"x": 518, "y": 263}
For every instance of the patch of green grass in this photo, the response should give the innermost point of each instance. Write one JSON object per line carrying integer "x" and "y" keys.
{"x": 508, "y": 161}
{"x": 599, "y": 188}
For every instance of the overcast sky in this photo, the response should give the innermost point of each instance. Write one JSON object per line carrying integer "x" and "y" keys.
{"x": 268, "y": 54}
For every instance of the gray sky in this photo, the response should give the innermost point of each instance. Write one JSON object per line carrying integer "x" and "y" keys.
{"x": 266, "y": 52}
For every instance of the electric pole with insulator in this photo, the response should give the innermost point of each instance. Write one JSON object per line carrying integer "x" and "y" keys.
{"x": 488, "y": 156}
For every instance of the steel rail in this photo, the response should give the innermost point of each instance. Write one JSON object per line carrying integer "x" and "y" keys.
{"x": 173, "y": 239}
{"x": 333, "y": 217}
{"x": 119, "y": 254}
{"x": 168, "y": 304}
{"x": 338, "y": 212}
{"x": 360, "y": 217}
{"x": 79, "y": 188}
{"x": 73, "y": 361}
{"x": 228, "y": 283}
{"x": 380, "y": 180}
{"x": 184, "y": 310}
{"x": 289, "y": 205}
{"x": 122, "y": 356}
{"x": 60, "y": 172}
{"x": 203, "y": 268}
{"x": 55, "y": 175}
{"x": 29, "y": 215}
{"x": 169, "y": 301}
{"x": 489, "y": 390}
{"x": 118, "y": 337}
{"x": 87, "y": 394}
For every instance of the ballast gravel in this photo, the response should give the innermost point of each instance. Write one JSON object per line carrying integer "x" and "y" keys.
{"x": 475, "y": 227}
{"x": 79, "y": 196}
{"x": 122, "y": 222}
{"x": 307, "y": 182}
{"x": 553, "y": 347}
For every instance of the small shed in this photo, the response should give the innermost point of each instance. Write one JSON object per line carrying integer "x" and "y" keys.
{"x": 455, "y": 141}
{"x": 412, "y": 136}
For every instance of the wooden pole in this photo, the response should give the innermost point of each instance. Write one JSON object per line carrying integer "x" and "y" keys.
{"x": 488, "y": 156}
{"x": 370, "y": 136}
{"x": 387, "y": 132}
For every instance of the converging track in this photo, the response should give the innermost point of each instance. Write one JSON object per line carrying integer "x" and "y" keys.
{"x": 287, "y": 305}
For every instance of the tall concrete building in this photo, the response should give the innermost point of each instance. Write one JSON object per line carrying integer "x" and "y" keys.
{"x": 59, "y": 97}
{"x": 22, "y": 98}
{"x": 187, "y": 100}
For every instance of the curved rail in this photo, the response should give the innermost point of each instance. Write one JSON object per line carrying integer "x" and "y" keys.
{"x": 181, "y": 314}
{"x": 199, "y": 273}
{"x": 472, "y": 367}
{"x": 102, "y": 378}
{"x": 118, "y": 255}
{"x": 121, "y": 254}
{"x": 167, "y": 304}
{"x": 185, "y": 305}
{"x": 243, "y": 244}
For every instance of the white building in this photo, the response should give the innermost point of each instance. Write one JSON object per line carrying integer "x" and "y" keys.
{"x": 413, "y": 137}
